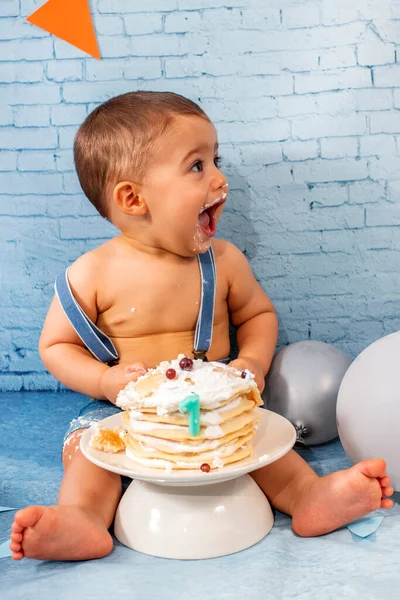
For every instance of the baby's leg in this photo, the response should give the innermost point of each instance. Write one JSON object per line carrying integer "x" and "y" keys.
{"x": 77, "y": 527}
{"x": 319, "y": 505}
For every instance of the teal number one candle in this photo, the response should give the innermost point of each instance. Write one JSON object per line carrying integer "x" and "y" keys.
{"x": 191, "y": 405}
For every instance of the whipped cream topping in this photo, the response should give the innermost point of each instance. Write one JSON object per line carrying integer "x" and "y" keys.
{"x": 214, "y": 417}
{"x": 213, "y": 432}
{"x": 159, "y": 463}
{"x": 212, "y": 381}
{"x": 179, "y": 447}
{"x": 137, "y": 426}
{"x": 210, "y": 417}
{"x": 146, "y": 426}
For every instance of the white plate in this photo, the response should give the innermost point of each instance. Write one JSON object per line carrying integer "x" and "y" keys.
{"x": 274, "y": 437}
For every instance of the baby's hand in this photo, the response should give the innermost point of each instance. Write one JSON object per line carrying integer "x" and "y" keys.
{"x": 252, "y": 365}
{"x": 115, "y": 378}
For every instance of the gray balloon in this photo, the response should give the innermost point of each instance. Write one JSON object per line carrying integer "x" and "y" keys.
{"x": 302, "y": 385}
{"x": 368, "y": 408}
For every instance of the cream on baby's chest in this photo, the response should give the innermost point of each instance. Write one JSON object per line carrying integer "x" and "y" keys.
{"x": 174, "y": 304}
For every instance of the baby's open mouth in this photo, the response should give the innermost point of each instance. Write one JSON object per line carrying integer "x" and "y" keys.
{"x": 206, "y": 219}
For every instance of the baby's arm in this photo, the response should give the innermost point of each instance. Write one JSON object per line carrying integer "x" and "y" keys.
{"x": 62, "y": 351}
{"x": 253, "y": 314}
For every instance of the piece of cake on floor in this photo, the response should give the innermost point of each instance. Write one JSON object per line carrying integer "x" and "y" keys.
{"x": 187, "y": 414}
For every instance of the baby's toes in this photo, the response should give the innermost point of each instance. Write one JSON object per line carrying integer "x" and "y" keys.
{"x": 15, "y": 547}
{"x": 16, "y": 537}
{"x": 384, "y": 481}
{"x": 386, "y": 503}
{"x": 16, "y": 527}
{"x": 387, "y": 491}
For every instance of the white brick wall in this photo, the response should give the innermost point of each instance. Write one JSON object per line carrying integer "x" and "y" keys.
{"x": 9, "y": 8}
{"x": 36, "y": 161}
{"x": 339, "y": 147}
{"x": 24, "y": 72}
{"x": 64, "y": 70}
{"x": 65, "y": 114}
{"x": 32, "y": 116}
{"x": 306, "y": 100}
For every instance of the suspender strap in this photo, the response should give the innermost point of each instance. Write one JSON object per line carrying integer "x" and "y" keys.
{"x": 100, "y": 344}
{"x": 95, "y": 340}
{"x": 204, "y": 327}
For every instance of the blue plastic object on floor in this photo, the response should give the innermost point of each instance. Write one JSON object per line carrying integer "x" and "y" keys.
{"x": 365, "y": 527}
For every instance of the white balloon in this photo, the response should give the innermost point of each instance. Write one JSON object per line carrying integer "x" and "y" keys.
{"x": 302, "y": 385}
{"x": 368, "y": 407}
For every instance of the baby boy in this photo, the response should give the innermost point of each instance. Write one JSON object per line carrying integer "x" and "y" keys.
{"x": 149, "y": 163}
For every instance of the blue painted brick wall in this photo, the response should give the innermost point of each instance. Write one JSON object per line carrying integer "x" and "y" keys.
{"x": 306, "y": 99}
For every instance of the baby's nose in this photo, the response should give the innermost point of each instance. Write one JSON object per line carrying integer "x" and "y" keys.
{"x": 220, "y": 182}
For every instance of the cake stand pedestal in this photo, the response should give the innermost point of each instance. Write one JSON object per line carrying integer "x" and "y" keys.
{"x": 191, "y": 514}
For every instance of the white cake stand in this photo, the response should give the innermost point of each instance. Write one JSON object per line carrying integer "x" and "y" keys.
{"x": 191, "y": 514}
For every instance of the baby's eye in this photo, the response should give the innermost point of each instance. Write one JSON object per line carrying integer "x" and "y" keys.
{"x": 217, "y": 161}
{"x": 197, "y": 166}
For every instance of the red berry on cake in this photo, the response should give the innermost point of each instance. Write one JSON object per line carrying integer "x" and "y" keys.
{"x": 170, "y": 373}
{"x": 186, "y": 364}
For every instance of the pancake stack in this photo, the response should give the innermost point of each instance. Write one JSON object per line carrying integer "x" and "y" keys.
{"x": 156, "y": 433}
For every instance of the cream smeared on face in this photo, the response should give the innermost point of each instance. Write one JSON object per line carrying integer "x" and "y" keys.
{"x": 206, "y": 222}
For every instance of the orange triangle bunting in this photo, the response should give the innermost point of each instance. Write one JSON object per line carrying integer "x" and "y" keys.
{"x": 69, "y": 20}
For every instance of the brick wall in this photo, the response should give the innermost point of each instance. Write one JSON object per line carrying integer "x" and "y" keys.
{"x": 306, "y": 100}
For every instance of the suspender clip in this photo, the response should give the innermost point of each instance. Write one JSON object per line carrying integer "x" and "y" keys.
{"x": 112, "y": 363}
{"x": 200, "y": 355}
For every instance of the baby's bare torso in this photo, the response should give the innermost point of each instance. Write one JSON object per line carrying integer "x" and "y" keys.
{"x": 149, "y": 306}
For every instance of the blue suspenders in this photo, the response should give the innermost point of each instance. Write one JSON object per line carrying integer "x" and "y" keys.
{"x": 205, "y": 320}
{"x": 102, "y": 347}
{"x": 95, "y": 340}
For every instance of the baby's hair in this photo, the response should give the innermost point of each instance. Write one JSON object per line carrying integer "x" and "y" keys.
{"x": 116, "y": 140}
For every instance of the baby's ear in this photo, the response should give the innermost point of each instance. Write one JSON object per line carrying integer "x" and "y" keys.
{"x": 127, "y": 195}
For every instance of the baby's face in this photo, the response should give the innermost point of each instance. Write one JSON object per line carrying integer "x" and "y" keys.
{"x": 184, "y": 189}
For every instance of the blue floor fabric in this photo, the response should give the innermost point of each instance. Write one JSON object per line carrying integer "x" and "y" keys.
{"x": 282, "y": 566}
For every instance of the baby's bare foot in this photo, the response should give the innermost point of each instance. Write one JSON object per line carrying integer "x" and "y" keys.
{"x": 58, "y": 533}
{"x": 339, "y": 498}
